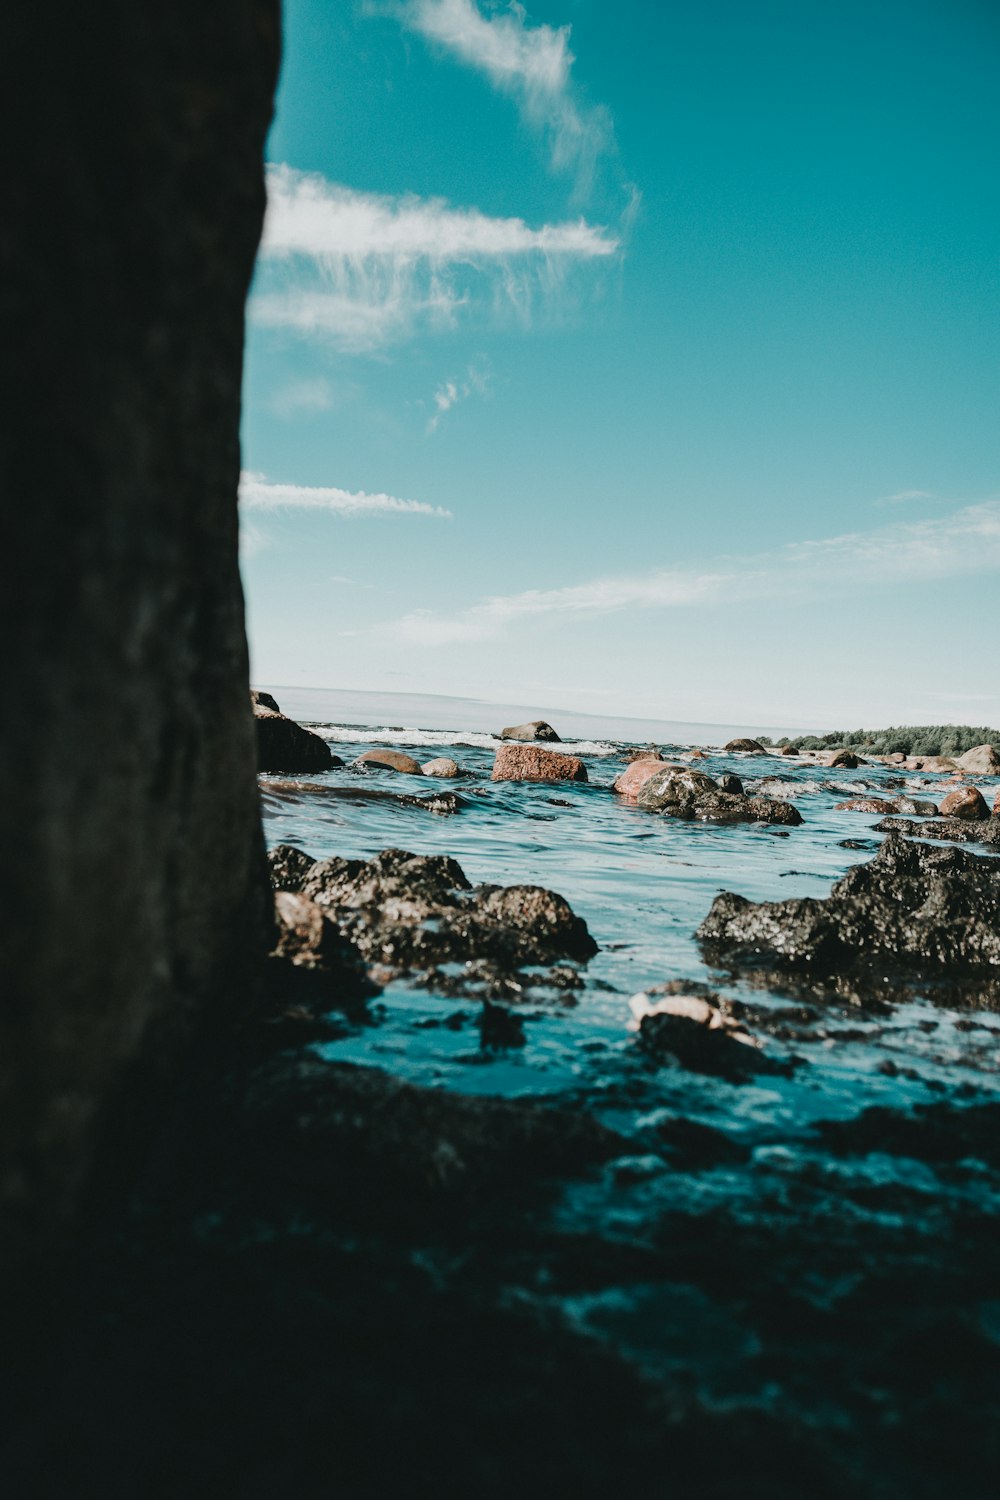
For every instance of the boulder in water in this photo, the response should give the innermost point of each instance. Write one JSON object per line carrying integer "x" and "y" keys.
{"x": 283, "y": 745}
{"x": 529, "y": 763}
{"x": 538, "y": 729}
{"x": 981, "y": 760}
{"x": 390, "y": 760}
{"x": 636, "y": 774}
{"x": 744, "y": 747}
{"x": 966, "y": 803}
{"x": 443, "y": 766}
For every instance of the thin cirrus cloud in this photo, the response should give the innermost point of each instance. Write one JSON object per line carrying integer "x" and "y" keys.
{"x": 363, "y": 270}
{"x": 257, "y": 493}
{"x": 532, "y": 64}
{"x": 449, "y": 393}
{"x": 966, "y": 541}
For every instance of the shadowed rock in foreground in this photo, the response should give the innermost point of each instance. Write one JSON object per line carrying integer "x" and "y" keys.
{"x": 912, "y": 910}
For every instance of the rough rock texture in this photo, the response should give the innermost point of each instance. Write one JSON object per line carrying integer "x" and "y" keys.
{"x": 637, "y": 773}
{"x": 408, "y": 913}
{"x": 913, "y": 909}
{"x": 691, "y": 794}
{"x": 789, "y": 750}
{"x": 443, "y": 766}
{"x": 748, "y": 747}
{"x": 966, "y": 803}
{"x": 536, "y": 730}
{"x": 527, "y": 763}
{"x": 391, "y": 760}
{"x": 731, "y": 783}
{"x": 130, "y": 227}
{"x": 650, "y": 752}
{"x": 687, "y": 1022}
{"x": 981, "y": 760}
{"x": 845, "y": 759}
{"x": 283, "y": 745}
{"x": 953, "y": 830}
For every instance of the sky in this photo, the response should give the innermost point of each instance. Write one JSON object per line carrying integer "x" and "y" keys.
{"x": 632, "y": 359}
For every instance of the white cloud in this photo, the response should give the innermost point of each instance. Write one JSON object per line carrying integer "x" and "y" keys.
{"x": 305, "y": 397}
{"x": 362, "y": 269}
{"x": 967, "y": 541}
{"x": 475, "y": 381}
{"x": 257, "y": 493}
{"x": 902, "y": 495}
{"x": 533, "y": 64}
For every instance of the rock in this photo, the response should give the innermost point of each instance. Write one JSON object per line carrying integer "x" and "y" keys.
{"x": 897, "y": 758}
{"x": 649, "y": 753}
{"x": 846, "y": 759}
{"x": 536, "y": 730}
{"x": 689, "y": 1023}
{"x": 982, "y": 760}
{"x": 283, "y": 745}
{"x": 289, "y": 867}
{"x": 132, "y": 214}
{"x": 696, "y": 755}
{"x": 969, "y": 804}
{"x": 390, "y": 760}
{"x": 499, "y": 1028}
{"x": 866, "y": 804}
{"x": 731, "y": 783}
{"x": 996, "y": 805}
{"x": 444, "y": 767}
{"x": 744, "y": 746}
{"x": 954, "y": 830}
{"x": 528, "y": 763}
{"x": 410, "y": 913}
{"x": 308, "y": 941}
{"x": 263, "y": 700}
{"x": 690, "y": 794}
{"x": 938, "y": 763}
{"x": 917, "y": 805}
{"x": 634, "y": 778}
{"x": 789, "y": 750}
{"x": 895, "y": 913}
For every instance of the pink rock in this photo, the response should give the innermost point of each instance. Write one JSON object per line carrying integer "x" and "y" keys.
{"x": 969, "y": 803}
{"x": 635, "y": 776}
{"x": 517, "y": 762}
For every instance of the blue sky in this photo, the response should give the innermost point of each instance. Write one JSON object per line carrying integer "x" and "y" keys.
{"x": 636, "y": 359}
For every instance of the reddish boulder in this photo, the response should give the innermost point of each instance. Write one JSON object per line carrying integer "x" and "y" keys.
{"x": 967, "y": 803}
{"x": 391, "y": 760}
{"x": 529, "y": 763}
{"x": 634, "y": 778}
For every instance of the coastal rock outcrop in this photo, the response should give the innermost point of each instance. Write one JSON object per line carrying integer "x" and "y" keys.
{"x": 981, "y": 760}
{"x": 261, "y": 699}
{"x": 409, "y": 913}
{"x": 283, "y": 745}
{"x": 899, "y": 912}
{"x": 132, "y": 214}
{"x": 691, "y": 794}
{"x": 528, "y": 763}
{"x": 744, "y": 747}
{"x": 951, "y": 830}
{"x": 391, "y": 760}
{"x": 537, "y": 729}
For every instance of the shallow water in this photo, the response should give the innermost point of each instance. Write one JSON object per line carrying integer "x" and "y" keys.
{"x": 643, "y": 883}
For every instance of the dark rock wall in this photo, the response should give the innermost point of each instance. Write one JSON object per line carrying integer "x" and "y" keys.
{"x": 132, "y": 891}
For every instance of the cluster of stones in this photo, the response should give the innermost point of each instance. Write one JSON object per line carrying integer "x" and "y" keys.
{"x": 679, "y": 791}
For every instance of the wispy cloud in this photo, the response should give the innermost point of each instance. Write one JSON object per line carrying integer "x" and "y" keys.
{"x": 302, "y": 398}
{"x": 532, "y": 64}
{"x": 475, "y": 381}
{"x": 362, "y": 269}
{"x": 257, "y": 493}
{"x": 964, "y": 542}
{"x": 901, "y": 496}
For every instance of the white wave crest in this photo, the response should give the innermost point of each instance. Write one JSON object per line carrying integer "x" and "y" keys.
{"x": 358, "y": 734}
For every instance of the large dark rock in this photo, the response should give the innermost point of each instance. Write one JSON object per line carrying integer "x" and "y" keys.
{"x": 536, "y": 730}
{"x": 134, "y": 906}
{"x": 283, "y": 745}
{"x": 690, "y": 794}
{"x": 920, "y": 911}
{"x": 951, "y": 830}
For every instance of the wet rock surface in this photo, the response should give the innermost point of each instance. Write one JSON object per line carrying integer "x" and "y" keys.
{"x": 527, "y": 763}
{"x": 693, "y": 795}
{"x": 284, "y": 746}
{"x": 953, "y": 830}
{"x": 928, "y": 912}
{"x": 536, "y": 730}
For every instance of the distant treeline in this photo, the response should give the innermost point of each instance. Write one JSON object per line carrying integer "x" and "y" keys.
{"x": 925, "y": 739}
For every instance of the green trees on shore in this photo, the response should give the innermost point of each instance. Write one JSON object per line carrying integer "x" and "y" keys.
{"x": 908, "y": 739}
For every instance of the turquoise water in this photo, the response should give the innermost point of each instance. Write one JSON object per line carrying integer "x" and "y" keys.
{"x": 643, "y": 883}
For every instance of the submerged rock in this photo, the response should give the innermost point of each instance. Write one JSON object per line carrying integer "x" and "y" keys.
{"x": 283, "y": 745}
{"x": 690, "y": 794}
{"x": 528, "y": 763}
{"x": 536, "y": 730}
{"x": 390, "y": 760}
{"x": 443, "y": 766}
{"x": 953, "y": 830}
{"x": 689, "y": 1023}
{"x": 924, "y": 912}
